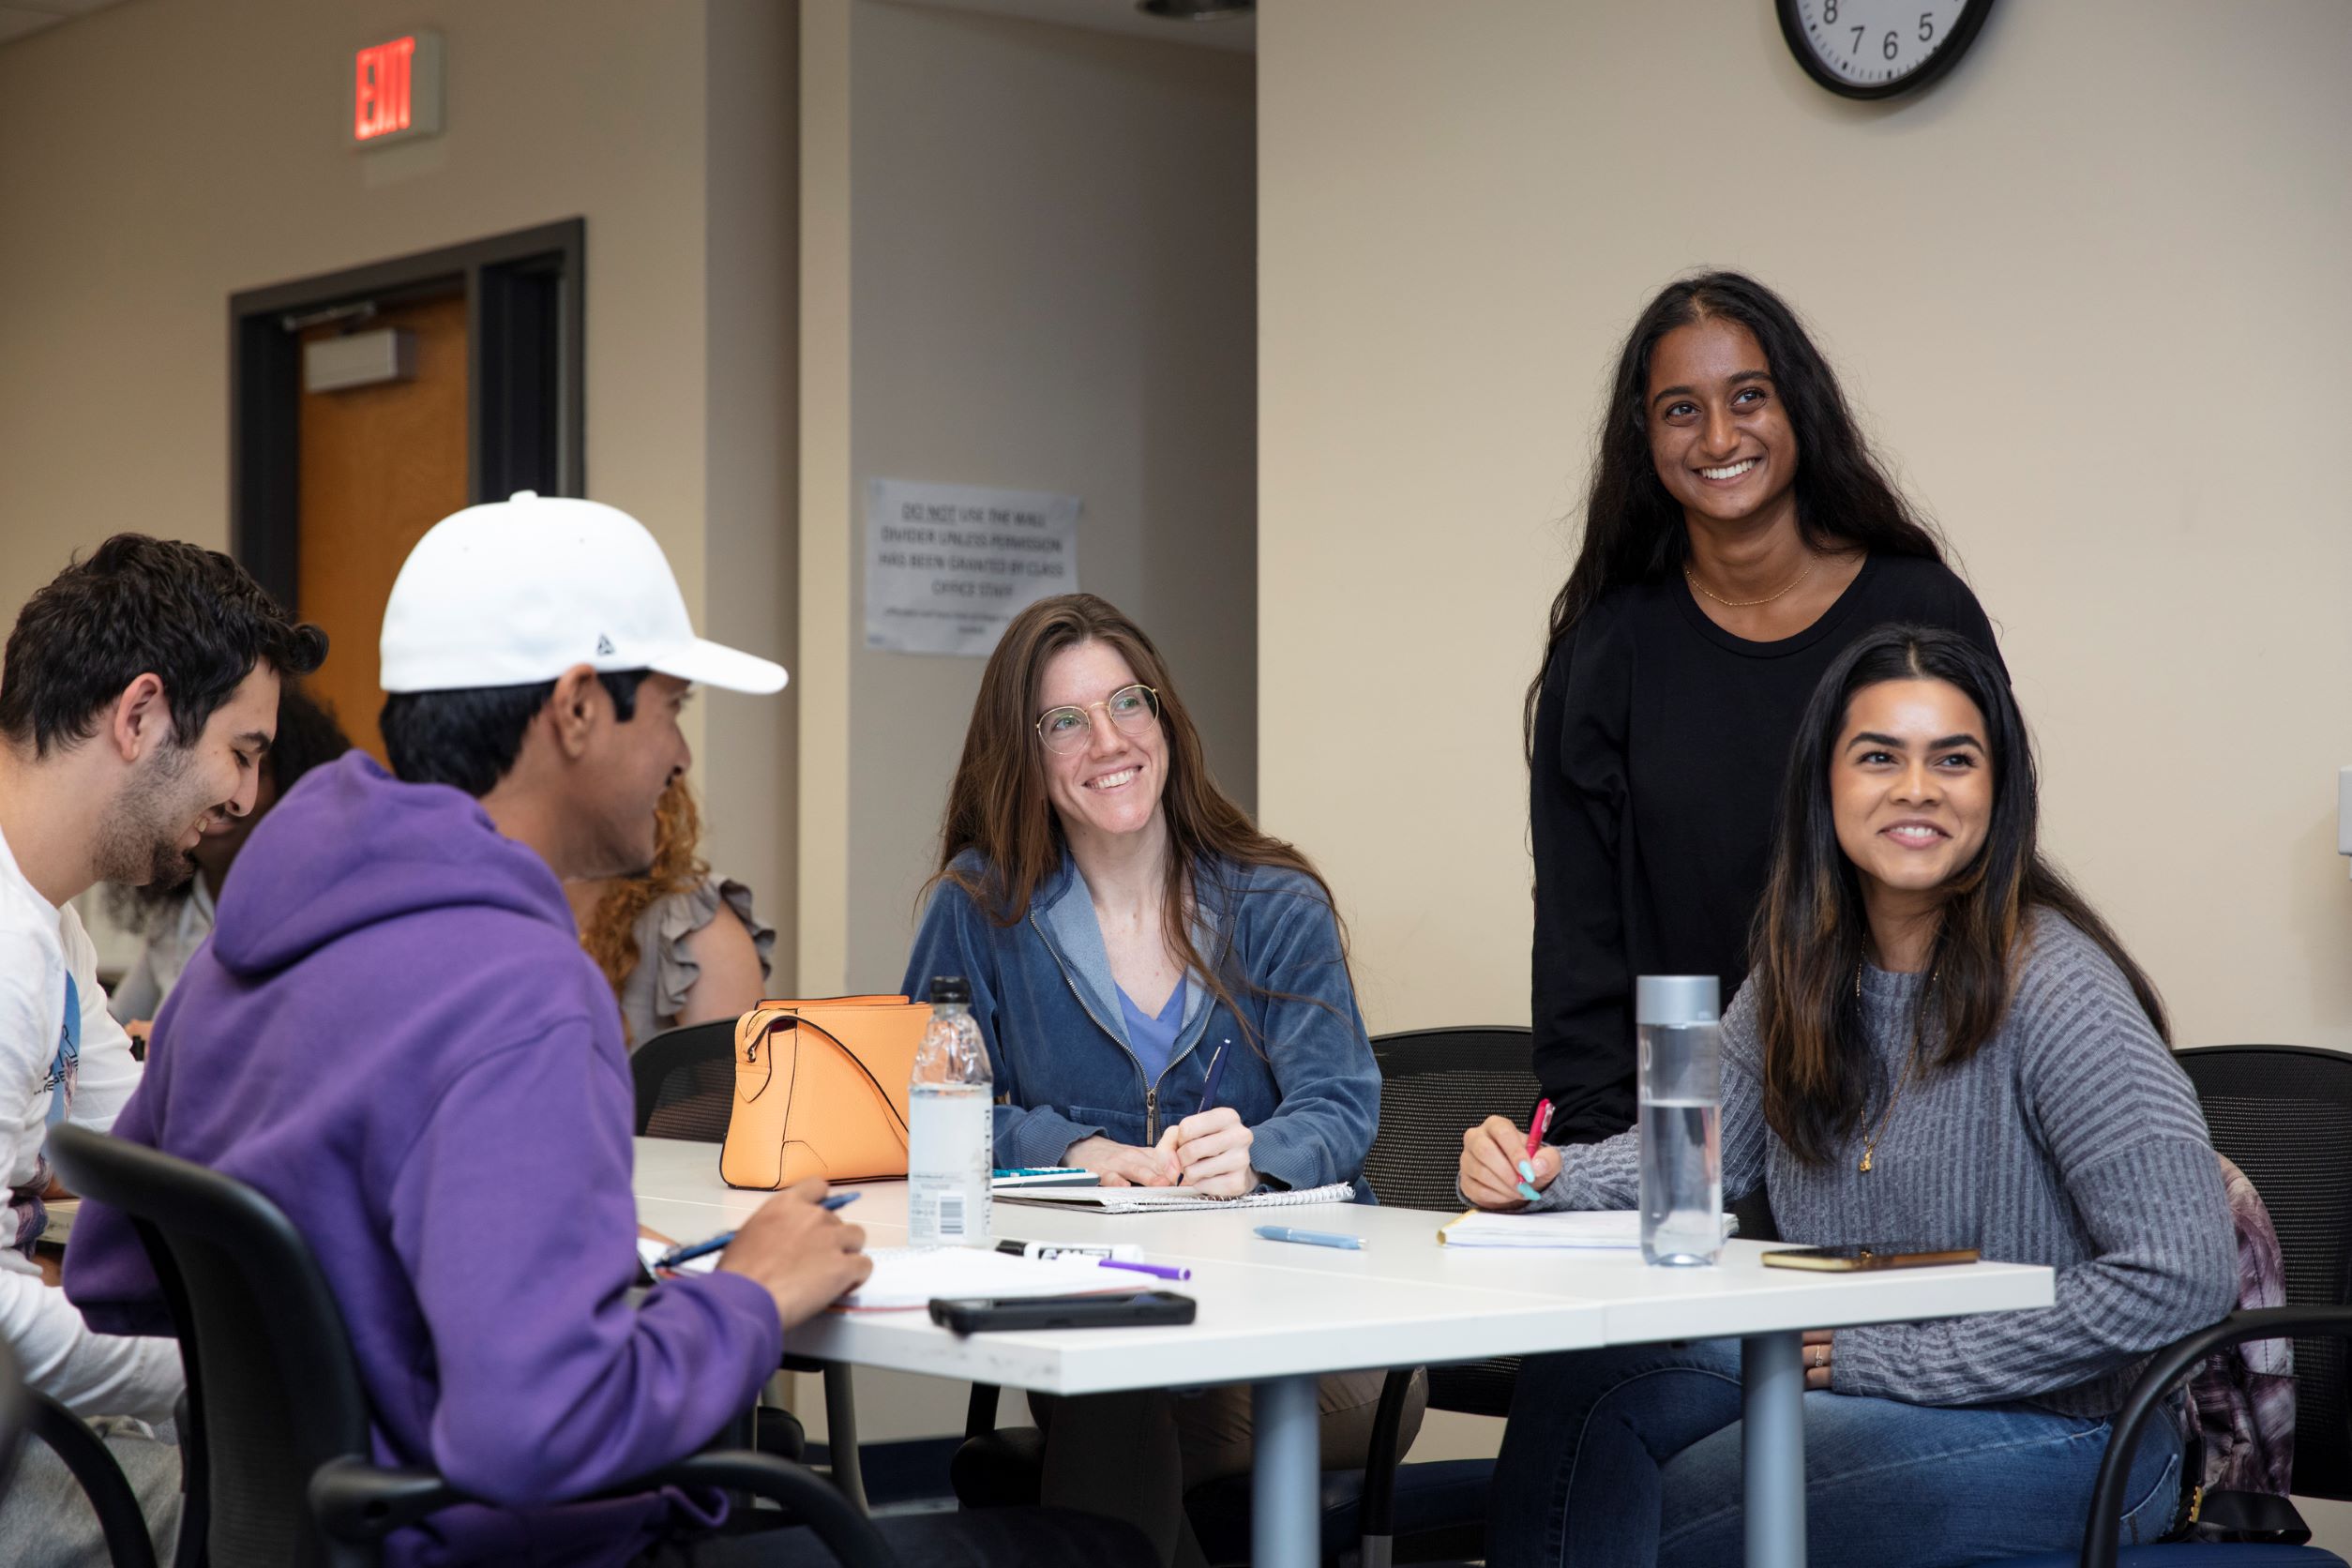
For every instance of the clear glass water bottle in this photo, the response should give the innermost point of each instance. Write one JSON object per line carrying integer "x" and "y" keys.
{"x": 1679, "y": 1034}
{"x": 951, "y": 1124}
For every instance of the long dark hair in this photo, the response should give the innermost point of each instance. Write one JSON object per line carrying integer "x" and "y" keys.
{"x": 1810, "y": 929}
{"x": 998, "y": 803}
{"x": 1633, "y": 530}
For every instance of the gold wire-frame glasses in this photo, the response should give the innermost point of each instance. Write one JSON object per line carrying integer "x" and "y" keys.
{"x": 1131, "y": 710}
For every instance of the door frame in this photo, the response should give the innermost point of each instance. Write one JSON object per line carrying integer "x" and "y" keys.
{"x": 525, "y": 335}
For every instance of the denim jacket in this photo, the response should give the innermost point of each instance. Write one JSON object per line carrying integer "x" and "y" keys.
{"x": 1042, "y": 991}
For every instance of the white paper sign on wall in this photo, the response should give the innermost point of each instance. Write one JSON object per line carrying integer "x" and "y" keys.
{"x": 947, "y": 566}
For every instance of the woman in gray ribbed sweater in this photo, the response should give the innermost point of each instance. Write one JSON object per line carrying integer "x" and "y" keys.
{"x": 1939, "y": 1044}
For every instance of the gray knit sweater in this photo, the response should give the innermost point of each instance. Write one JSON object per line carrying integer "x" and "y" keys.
{"x": 2070, "y": 1138}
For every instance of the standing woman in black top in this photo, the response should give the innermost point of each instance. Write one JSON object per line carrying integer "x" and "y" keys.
{"x": 1737, "y": 535}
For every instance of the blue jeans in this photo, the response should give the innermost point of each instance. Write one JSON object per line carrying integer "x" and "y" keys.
{"x": 1631, "y": 1457}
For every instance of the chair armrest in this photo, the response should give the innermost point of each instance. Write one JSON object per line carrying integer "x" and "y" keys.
{"x": 356, "y": 1501}
{"x": 837, "y": 1521}
{"x": 2167, "y": 1368}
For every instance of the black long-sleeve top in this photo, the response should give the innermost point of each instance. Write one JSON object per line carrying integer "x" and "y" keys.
{"x": 1661, "y": 742}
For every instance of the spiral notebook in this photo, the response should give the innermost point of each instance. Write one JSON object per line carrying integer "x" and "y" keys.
{"x": 1161, "y": 1200}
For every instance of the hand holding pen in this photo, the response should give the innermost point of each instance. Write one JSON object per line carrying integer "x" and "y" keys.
{"x": 799, "y": 1250}
{"x": 1503, "y": 1167}
{"x": 1212, "y": 1146}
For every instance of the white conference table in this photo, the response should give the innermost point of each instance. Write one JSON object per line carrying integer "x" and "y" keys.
{"x": 1278, "y": 1316}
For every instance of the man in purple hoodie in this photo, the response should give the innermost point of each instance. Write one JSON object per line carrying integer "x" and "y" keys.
{"x": 395, "y": 1035}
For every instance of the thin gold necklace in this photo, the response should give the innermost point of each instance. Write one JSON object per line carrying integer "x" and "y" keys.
{"x": 1746, "y": 604}
{"x": 1870, "y": 1146}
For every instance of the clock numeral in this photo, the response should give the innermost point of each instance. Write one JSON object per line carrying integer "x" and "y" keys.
{"x": 1829, "y": 11}
{"x": 1926, "y": 26}
{"x": 1857, "y": 49}
{"x": 1888, "y": 51}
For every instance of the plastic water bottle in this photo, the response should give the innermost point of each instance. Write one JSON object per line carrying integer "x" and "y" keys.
{"x": 1679, "y": 1032}
{"x": 951, "y": 1126}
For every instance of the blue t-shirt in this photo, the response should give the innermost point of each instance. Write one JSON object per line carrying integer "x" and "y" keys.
{"x": 1154, "y": 1038}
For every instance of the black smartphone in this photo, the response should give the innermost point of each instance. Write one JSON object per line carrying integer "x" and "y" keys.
{"x": 1851, "y": 1260}
{"x": 1145, "y": 1308}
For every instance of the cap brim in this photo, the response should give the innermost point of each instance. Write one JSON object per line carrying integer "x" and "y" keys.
{"x": 707, "y": 663}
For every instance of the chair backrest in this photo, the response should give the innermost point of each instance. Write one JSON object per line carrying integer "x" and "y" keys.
{"x": 685, "y": 1082}
{"x": 273, "y": 1392}
{"x": 1433, "y": 1083}
{"x": 2284, "y": 1114}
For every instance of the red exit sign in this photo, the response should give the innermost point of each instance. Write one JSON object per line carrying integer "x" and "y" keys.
{"x": 395, "y": 90}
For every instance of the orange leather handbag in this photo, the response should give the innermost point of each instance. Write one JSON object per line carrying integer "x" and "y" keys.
{"x": 820, "y": 1089}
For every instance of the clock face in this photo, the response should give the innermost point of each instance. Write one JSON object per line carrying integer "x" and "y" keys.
{"x": 1878, "y": 48}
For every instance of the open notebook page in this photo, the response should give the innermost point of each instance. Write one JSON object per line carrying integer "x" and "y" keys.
{"x": 907, "y": 1276}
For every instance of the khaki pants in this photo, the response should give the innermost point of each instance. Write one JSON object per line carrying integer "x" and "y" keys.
{"x": 1133, "y": 1456}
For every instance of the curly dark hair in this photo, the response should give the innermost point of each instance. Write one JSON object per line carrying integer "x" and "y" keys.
{"x": 189, "y": 616}
{"x": 308, "y": 737}
{"x": 1633, "y": 530}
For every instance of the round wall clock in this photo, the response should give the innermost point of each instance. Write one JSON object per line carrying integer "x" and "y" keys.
{"x": 1875, "y": 49}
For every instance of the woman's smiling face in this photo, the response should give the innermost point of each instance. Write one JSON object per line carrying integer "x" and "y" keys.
{"x": 1719, "y": 434}
{"x": 1911, "y": 784}
{"x": 1112, "y": 783}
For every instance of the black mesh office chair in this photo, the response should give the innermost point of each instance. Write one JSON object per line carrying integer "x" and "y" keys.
{"x": 685, "y": 1082}
{"x": 2282, "y": 1114}
{"x": 1435, "y": 1083}
{"x": 275, "y": 1440}
{"x": 685, "y": 1089}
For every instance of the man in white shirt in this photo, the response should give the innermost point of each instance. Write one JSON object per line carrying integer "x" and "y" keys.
{"x": 138, "y": 698}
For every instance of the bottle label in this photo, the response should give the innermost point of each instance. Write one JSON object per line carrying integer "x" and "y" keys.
{"x": 949, "y": 1148}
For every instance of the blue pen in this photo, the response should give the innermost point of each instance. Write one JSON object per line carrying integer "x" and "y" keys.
{"x": 1217, "y": 1071}
{"x": 678, "y": 1254}
{"x": 1310, "y": 1238}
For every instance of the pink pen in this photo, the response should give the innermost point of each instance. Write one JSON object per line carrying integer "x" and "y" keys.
{"x": 1535, "y": 1133}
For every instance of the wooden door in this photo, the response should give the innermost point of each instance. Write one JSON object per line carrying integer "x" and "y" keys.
{"x": 380, "y": 465}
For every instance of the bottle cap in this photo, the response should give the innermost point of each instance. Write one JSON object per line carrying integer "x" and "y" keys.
{"x": 1676, "y": 1000}
{"x": 955, "y": 988}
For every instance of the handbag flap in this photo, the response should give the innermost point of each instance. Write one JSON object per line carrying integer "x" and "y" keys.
{"x": 881, "y": 1036}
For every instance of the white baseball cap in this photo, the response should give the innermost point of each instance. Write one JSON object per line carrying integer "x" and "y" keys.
{"x": 516, "y": 591}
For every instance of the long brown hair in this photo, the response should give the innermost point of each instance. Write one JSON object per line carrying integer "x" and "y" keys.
{"x": 998, "y": 805}
{"x": 1633, "y": 530}
{"x": 1818, "y": 1070}
{"x": 610, "y": 934}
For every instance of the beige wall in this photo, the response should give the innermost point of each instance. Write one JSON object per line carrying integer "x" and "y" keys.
{"x": 1050, "y": 281}
{"x": 160, "y": 156}
{"x": 2089, "y": 290}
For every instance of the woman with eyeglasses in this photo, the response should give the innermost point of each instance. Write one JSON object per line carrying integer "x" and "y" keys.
{"x": 1125, "y": 929}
